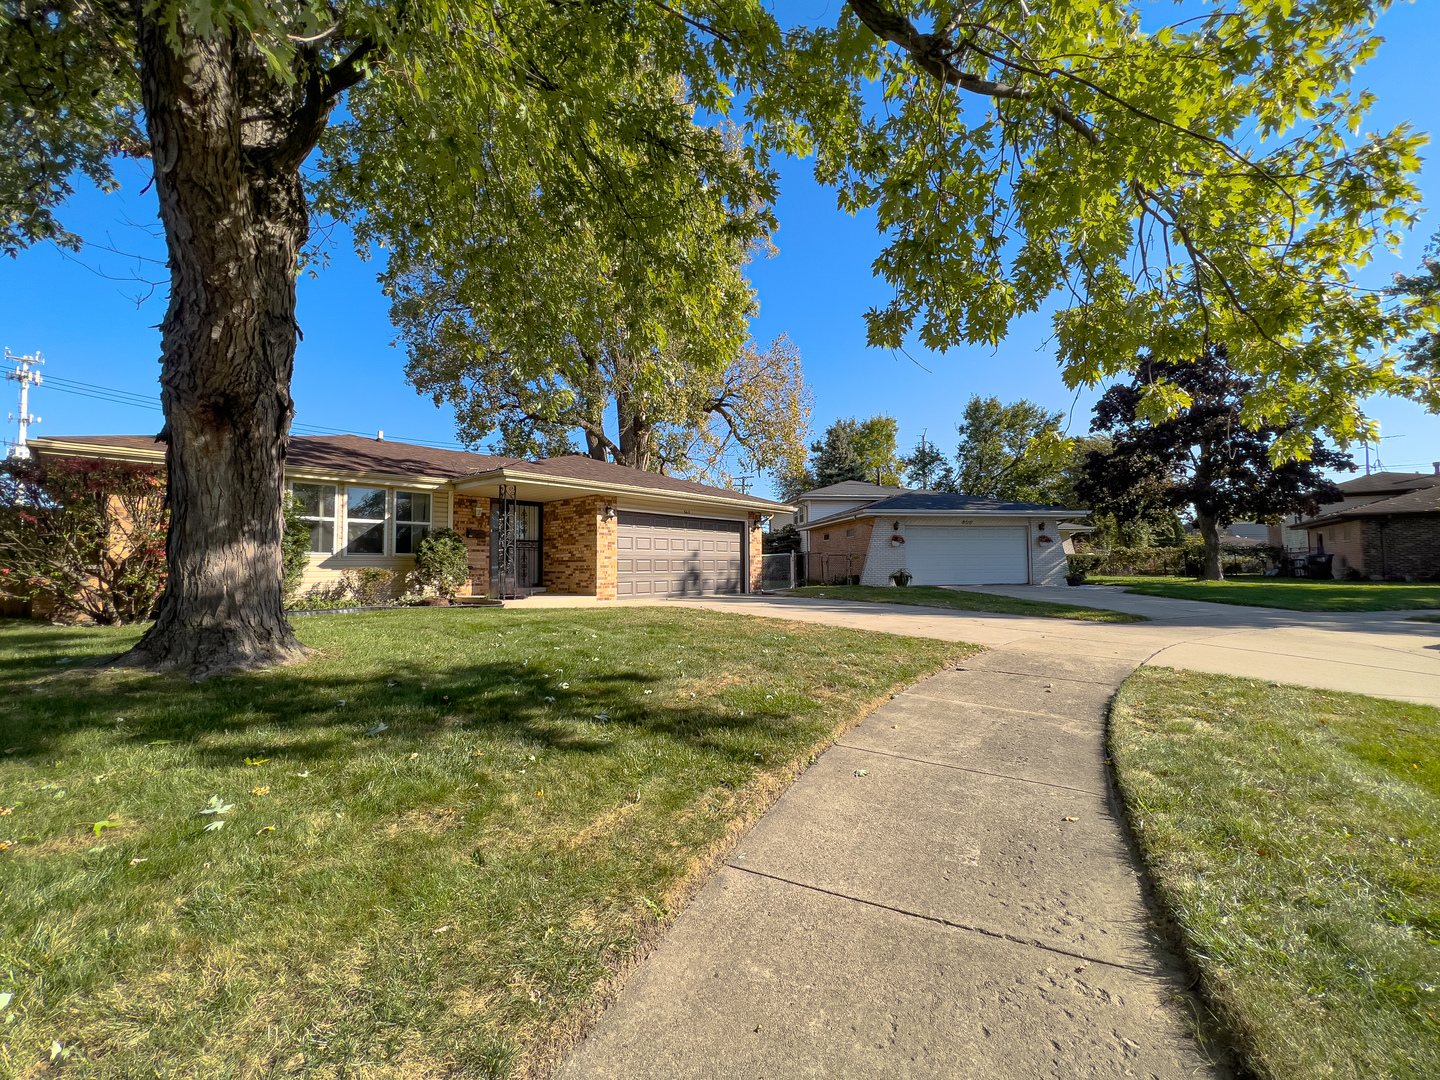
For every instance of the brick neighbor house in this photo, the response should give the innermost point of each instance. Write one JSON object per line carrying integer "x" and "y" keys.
{"x": 1396, "y": 538}
{"x": 941, "y": 539}
{"x": 581, "y": 526}
{"x": 1293, "y": 532}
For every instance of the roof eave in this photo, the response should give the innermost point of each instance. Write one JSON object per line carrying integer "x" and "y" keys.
{"x": 507, "y": 475}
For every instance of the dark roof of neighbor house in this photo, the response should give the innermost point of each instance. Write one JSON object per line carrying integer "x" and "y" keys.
{"x": 941, "y": 503}
{"x": 1424, "y": 501}
{"x": 851, "y": 489}
{"x": 355, "y": 453}
{"x": 1387, "y": 483}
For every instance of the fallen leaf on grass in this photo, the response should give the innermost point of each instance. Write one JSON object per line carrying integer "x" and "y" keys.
{"x": 217, "y": 806}
{"x": 6, "y": 811}
{"x": 414, "y": 756}
{"x": 6, "y": 845}
{"x": 5, "y": 1000}
{"x": 377, "y": 729}
{"x": 260, "y": 790}
{"x": 13, "y": 749}
{"x": 302, "y": 775}
{"x": 256, "y": 761}
{"x": 539, "y": 793}
{"x": 100, "y": 826}
{"x": 478, "y": 753}
{"x": 137, "y": 862}
{"x": 156, "y": 742}
{"x": 442, "y": 929}
{"x": 267, "y": 828}
{"x": 215, "y": 826}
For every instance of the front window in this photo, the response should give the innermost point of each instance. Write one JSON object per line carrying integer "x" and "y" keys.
{"x": 316, "y": 503}
{"x": 412, "y": 520}
{"x": 364, "y": 521}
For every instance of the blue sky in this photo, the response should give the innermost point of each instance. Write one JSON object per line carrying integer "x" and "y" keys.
{"x": 349, "y": 376}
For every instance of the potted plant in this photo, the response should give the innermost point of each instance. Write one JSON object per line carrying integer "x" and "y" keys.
{"x": 902, "y": 577}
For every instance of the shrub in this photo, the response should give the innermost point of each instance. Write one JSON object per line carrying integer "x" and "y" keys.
{"x": 442, "y": 563}
{"x": 370, "y": 586}
{"x": 295, "y": 547}
{"x": 88, "y": 537}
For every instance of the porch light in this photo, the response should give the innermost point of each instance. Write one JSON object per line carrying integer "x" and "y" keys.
{"x": 609, "y": 512}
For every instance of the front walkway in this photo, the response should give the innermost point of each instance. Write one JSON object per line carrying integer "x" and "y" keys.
{"x": 948, "y": 892}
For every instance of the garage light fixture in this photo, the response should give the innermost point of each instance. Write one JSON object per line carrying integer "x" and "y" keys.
{"x": 609, "y": 512}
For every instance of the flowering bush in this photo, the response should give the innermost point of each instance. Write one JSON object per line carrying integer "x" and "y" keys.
{"x": 87, "y": 537}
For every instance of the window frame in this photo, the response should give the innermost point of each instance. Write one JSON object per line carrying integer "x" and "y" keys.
{"x": 428, "y": 525}
{"x": 320, "y": 519}
{"x": 383, "y": 521}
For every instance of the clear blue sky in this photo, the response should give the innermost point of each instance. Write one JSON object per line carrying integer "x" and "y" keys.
{"x": 349, "y": 375}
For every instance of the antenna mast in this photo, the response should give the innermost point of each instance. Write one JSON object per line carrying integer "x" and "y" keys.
{"x": 23, "y": 373}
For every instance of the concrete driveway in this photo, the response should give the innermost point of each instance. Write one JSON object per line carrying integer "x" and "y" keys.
{"x": 949, "y": 891}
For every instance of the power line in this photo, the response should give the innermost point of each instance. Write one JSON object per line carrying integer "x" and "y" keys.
{"x": 139, "y": 401}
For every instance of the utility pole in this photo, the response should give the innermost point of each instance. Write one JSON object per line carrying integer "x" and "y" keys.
{"x": 744, "y": 482}
{"x": 23, "y": 372}
{"x": 924, "y": 462}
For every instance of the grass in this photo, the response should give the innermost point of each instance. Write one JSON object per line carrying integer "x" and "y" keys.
{"x": 1294, "y": 837}
{"x": 935, "y": 596}
{"x": 1295, "y": 594}
{"x": 446, "y": 833}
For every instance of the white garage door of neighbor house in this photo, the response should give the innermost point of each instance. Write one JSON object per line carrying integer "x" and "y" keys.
{"x": 665, "y": 555}
{"x": 967, "y": 555}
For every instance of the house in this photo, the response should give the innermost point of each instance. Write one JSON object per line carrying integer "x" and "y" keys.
{"x": 830, "y": 500}
{"x": 579, "y": 526}
{"x": 941, "y": 539}
{"x": 1293, "y": 533}
{"x": 1386, "y": 539}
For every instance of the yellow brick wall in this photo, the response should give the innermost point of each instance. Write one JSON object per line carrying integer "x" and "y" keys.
{"x": 757, "y": 551}
{"x": 579, "y": 548}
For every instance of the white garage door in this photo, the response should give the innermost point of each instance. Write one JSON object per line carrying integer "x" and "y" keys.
{"x": 665, "y": 555}
{"x": 966, "y": 555}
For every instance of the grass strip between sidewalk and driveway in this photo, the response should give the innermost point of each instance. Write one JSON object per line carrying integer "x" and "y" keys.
{"x": 427, "y": 851}
{"x": 1293, "y": 837}
{"x": 1293, "y": 594}
{"x": 935, "y": 596}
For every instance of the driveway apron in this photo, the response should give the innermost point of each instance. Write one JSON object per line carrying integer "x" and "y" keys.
{"x": 945, "y": 893}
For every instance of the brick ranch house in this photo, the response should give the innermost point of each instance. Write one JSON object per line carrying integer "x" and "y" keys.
{"x": 1397, "y": 538}
{"x": 582, "y": 527}
{"x": 941, "y": 539}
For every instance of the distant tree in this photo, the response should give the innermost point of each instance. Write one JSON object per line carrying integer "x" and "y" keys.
{"x": 781, "y": 541}
{"x": 927, "y": 467}
{"x": 855, "y": 450}
{"x": 87, "y": 536}
{"x": 1014, "y": 451}
{"x": 1204, "y": 457}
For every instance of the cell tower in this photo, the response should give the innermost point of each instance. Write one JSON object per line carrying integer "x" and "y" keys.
{"x": 22, "y": 370}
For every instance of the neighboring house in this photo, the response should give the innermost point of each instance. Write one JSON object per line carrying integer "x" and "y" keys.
{"x": 1384, "y": 539}
{"x": 583, "y": 527}
{"x": 1293, "y": 533}
{"x": 1243, "y": 534}
{"x": 829, "y": 501}
{"x": 941, "y": 539}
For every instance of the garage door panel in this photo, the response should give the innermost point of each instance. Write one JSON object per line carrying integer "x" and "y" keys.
{"x": 967, "y": 555}
{"x": 690, "y": 555}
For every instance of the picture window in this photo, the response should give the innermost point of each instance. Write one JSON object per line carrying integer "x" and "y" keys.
{"x": 364, "y": 521}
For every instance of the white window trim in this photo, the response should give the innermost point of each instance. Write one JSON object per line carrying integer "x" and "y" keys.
{"x": 395, "y": 522}
{"x": 335, "y": 520}
{"x": 343, "y": 539}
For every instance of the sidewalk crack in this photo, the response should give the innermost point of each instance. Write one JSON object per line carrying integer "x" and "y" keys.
{"x": 977, "y": 772}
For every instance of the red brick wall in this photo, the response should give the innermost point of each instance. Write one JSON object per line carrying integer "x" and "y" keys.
{"x": 1404, "y": 546}
{"x": 579, "y": 548}
{"x": 472, "y": 521}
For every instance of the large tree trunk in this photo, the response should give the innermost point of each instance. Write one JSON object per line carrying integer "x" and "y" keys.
{"x": 235, "y": 218}
{"x": 1212, "y": 568}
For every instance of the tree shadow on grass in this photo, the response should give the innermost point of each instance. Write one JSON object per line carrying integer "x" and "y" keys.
{"x": 310, "y": 718}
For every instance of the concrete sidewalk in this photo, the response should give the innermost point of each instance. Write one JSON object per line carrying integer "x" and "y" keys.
{"x": 946, "y": 893}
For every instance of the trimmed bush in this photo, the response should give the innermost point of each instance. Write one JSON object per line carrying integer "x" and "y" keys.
{"x": 442, "y": 563}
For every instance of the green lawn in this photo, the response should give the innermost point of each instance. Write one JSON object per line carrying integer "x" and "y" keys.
{"x": 934, "y": 596}
{"x": 1296, "y": 594}
{"x": 1294, "y": 837}
{"x": 435, "y": 843}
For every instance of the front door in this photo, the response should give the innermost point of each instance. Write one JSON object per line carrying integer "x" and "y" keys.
{"x": 526, "y": 573}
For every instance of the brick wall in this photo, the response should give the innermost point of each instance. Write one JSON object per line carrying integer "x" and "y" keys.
{"x": 472, "y": 521}
{"x": 1346, "y": 542}
{"x": 829, "y": 547}
{"x": 580, "y": 548}
{"x": 757, "y": 551}
{"x": 1403, "y": 546}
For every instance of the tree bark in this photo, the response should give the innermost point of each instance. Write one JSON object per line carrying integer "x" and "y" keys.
{"x": 1211, "y": 569}
{"x": 235, "y": 217}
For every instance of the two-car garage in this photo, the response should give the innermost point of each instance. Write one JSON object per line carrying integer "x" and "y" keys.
{"x": 671, "y": 555}
{"x": 967, "y": 554}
